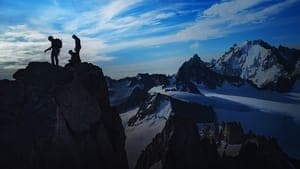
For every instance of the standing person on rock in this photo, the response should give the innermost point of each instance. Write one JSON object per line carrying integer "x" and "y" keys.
{"x": 77, "y": 44}
{"x": 75, "y": 57}
{"x": 56, "y": 45}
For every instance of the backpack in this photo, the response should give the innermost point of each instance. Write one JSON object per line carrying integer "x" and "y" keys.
{"x": 58, "y": 43}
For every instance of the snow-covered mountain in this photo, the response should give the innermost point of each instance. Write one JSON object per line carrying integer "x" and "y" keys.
{"x": 261, "y": 64}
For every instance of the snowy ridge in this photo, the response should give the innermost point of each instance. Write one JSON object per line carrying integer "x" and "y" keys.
{"x": 144, "y": 127}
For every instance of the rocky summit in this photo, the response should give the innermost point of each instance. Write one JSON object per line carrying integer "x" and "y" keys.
{"x": 55, "y": 117}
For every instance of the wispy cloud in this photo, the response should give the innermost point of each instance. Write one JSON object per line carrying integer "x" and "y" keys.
{"x": 215, "y": 22}
{"x": 94, "y": 21}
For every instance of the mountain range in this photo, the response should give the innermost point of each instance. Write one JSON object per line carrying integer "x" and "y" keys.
{"x": 254, "y": 63}
{"x": 254, "y": 85}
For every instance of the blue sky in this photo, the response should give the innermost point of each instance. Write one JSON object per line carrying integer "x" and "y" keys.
{"x": 126, "y": 37}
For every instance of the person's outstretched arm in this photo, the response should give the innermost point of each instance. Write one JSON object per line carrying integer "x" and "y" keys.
{"x": 48, "y": 49}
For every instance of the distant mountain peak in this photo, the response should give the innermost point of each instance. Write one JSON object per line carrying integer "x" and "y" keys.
{"x": 196, "y": 57}
{"x": 249, "y": 43}
{"x": 196, "y": 70}
{"x": 260, "y": 63}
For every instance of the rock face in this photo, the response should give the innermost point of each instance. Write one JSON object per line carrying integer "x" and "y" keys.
{"x": 179, "y": 146}
{"x": 152, "y": 106}
{"x": 136, "y": 98}
{"x": 142, "y": 126}
{"x": 260, "y": 152}
{"x": 233, "y": 133}
{"x": 195, "y": 70}
{"x": 261, "y": 64}
{"x": 191, "y": 141}
{"x": 53, "y": 117}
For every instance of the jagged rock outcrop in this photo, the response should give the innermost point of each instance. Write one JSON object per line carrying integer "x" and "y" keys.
{"x": 150, "y": 119}
{"x": 151, "y": 107}
{"x": 54, "y": 117}
{"x": 179, "y": 146}
{"x": 262, "y": 153}
{"x": 142, "y": 126}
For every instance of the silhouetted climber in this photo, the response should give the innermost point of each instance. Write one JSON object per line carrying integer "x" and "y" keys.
{"x": 77, "y": 44}
{"x": 74, "y": 57}
{"x": 56, "y": 44}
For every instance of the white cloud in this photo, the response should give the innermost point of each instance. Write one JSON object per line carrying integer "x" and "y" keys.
{"x": 20, "y": 45}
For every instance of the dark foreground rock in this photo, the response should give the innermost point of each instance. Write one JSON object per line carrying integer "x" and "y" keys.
{"x": 53, "y": 117}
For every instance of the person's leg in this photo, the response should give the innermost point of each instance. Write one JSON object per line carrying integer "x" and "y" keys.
{"x": 56, "y": 60}
{"x": 56, "y": 56}
{"x": 52, "y": 57}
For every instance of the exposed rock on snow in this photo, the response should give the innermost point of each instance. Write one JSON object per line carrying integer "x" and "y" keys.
{"x": 143, "y": 123}
{"x": 130, "y": 92}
